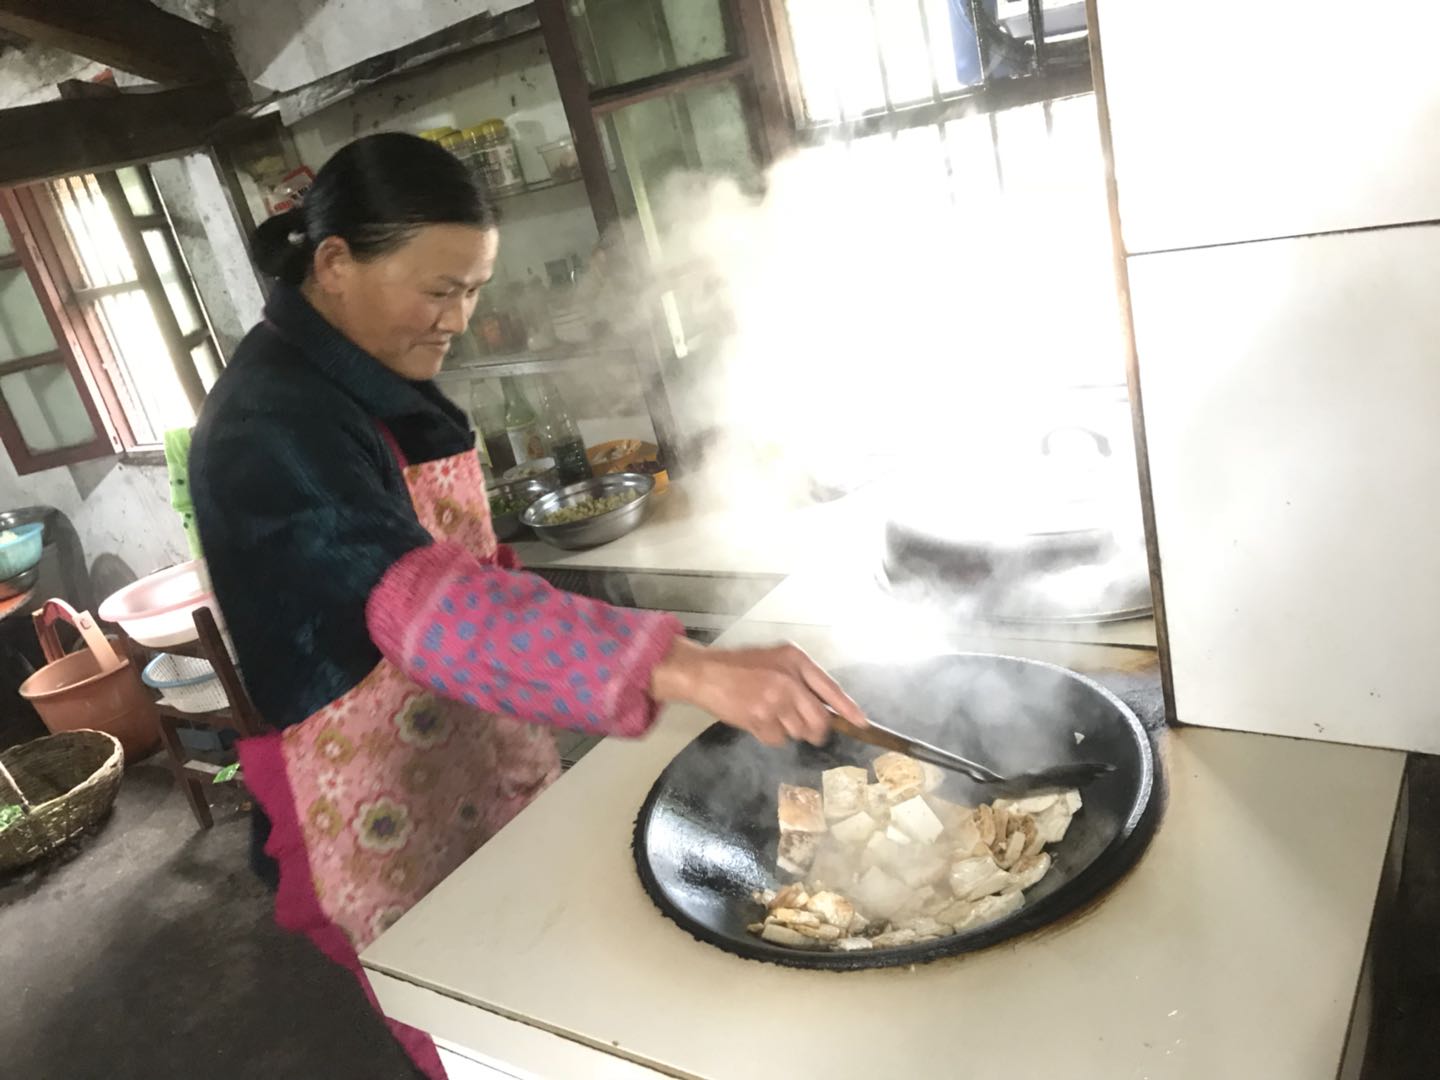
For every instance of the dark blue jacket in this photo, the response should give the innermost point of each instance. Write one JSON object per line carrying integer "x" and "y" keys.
{"x": 301, "y": 503}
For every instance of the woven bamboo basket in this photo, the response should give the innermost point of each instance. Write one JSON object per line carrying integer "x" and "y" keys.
{"x": 63, "y": 784}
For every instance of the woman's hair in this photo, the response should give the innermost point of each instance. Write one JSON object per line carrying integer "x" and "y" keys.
{"x": 373, "y": 194}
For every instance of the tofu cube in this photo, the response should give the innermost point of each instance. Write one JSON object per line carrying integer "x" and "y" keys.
{"x": 877, "y": 802}
{"x": 853, "y": 944}
{"x": 893, "y": 938}
{"x": 880, "y": 851}
{"x": 1054, "y": 822}
{"x": 834, "y": 867}
{"x": 897, "y": 835}
{"x": 855, "y": 830}
{"x": 879, "y": 895}
{"x": 915, "y": 818}
{"x": 964, "y": 836}
{"x": 902, "y": 777}
{"x": 800, "y": 810}
{"x": 952, "y": 815}
{"x": 978, "y": 876}
{"x": 844, "y": 791}
{"x": 1030, "y": 804}
{"x": 922, "y": 866}
{"x": 832, "y": 908}
{"x": 797, "y": 852}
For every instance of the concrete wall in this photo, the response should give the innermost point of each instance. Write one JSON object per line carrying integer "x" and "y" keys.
{"x": 214, "y": 250}
{"x": 283, "y": 44}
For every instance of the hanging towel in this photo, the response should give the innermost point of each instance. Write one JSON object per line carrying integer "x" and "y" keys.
{"x": 177, "y": 461}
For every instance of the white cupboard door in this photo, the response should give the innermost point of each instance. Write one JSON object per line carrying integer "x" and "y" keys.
{"x": 1242, "y": 121}
{"x": 1291, "y": 392}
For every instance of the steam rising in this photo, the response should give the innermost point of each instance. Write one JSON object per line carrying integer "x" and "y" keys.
{"x": 889, "y": 316}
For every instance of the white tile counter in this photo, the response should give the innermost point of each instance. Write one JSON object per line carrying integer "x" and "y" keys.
{"x": 1232, "y": 950}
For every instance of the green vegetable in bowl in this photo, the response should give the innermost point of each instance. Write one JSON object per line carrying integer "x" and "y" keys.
{"x": 9, "y": 815}
{"x": 505, "y": 505}
{"x": 589, "y": 508}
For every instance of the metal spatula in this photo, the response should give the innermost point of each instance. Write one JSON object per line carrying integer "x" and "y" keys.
{"x": 1075, "y": 774}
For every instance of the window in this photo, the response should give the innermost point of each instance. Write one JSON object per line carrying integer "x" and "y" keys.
{"x": 102, "y": 264}
{"x": 987, "y": 132}
{"x": 865, "y": 66}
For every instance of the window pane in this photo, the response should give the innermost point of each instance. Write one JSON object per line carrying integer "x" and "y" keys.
{"x": 7, "y": 247}
{"x": 24, "y": 330}
{"x": 207, "y": 363}
{"x": 136, "y": 193}
{"x": 624, "y": 40}
{"x": 702, "y": 130}
{"x": 699, "y": 132}
{"x": 93, "y": 234}
{"x": 47, "y": 407}
{"x": 175, "y": 291}
{"x": 139, "y": 347}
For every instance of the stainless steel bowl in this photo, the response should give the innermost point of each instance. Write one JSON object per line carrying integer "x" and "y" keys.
{"x": 597, "y": 530}
{"x": 507, "y": 526}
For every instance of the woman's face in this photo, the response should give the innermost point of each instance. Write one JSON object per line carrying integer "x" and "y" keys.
{"x": 405, "y": 306}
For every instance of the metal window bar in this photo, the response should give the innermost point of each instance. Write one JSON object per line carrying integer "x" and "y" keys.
{"x": 1052, "y": 70}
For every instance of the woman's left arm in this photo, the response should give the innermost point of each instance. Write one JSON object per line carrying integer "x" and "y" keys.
{"x": 506, "y": 641}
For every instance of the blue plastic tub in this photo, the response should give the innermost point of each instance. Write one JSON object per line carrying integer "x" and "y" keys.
{"x": 21, "y": 550}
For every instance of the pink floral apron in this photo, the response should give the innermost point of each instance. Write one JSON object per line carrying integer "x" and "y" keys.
{"x": 378, "y": 796}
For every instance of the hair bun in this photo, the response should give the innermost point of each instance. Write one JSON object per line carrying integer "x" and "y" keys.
{"x": 281, "y": 246}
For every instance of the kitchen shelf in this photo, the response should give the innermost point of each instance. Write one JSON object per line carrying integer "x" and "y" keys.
{"x": 539, "y": 185}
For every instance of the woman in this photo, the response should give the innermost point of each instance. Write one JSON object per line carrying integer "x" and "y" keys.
{"x": 411, "y": 670}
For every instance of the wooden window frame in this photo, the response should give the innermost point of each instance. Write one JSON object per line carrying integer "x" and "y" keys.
{"x": 30, "y": 214}
{"x": 70, "y": 338}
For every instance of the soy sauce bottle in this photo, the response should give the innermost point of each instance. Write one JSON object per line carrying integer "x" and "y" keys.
{"x": 562, "y": 437}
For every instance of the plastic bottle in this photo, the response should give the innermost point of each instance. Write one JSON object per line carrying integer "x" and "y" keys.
{"x": 562, "y": 437}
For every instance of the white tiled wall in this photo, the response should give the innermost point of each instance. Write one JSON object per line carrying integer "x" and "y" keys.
{"x": 1292, "y": 396}
{"x": 1289, "y": 364}
{"x": 1239, "y": 121}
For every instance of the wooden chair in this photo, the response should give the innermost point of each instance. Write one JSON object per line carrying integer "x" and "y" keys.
{"x": 195, "y": 776}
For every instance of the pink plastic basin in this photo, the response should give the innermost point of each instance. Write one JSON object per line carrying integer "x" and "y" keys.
{"x": 158, "y": 610}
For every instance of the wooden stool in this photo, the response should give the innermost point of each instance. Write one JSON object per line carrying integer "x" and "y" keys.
{"x": 240, "y": 715}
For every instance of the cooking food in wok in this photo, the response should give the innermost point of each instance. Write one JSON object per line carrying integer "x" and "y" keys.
{"x": 707, "y": 842}
{"x": 890, "y": 862}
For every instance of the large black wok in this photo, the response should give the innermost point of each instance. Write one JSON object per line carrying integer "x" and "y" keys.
{"x": 706, "y": 835}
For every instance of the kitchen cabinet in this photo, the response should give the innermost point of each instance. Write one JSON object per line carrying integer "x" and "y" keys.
{"x": 1267, "y": 847}
{"x": 1261, "y": 120}
{"x": 1290, "y": 391}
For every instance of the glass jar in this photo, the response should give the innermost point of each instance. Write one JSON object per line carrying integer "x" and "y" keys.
{"x": 502, "y": 164}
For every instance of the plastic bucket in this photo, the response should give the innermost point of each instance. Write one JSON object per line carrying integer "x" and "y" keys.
{"x": 95, "y": 688}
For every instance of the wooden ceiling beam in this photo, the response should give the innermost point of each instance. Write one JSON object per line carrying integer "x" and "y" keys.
{"x": 108, "y": 130}
{"x": 132, "y": 35}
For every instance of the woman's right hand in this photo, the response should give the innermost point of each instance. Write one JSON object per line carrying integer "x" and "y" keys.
{"x": 773, "y": 693}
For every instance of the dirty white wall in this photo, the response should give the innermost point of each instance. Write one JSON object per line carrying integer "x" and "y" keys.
{"x": 122, "y": 511}
{"x": 515, "y": 83}
{"x": 284, "y": 44}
